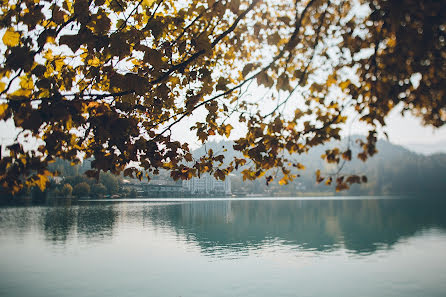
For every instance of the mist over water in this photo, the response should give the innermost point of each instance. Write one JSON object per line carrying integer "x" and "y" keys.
{"x": 351, "y": 247}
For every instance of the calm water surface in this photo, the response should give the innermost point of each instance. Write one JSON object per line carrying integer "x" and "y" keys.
{"x": 308, "y": 247}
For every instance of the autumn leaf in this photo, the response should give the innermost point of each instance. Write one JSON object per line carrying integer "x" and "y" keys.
{"x": 300, "y": 166}
{"x": 147, "y": 3}
{"x": 343, "y": 85}
{"x": 247, "y": 69}
{"x": 228, "y": 129}
{"x": 203, "y": 42}
{"x": 264, "y": 79}
{"x": 11, "y": 38}
{"x": 94, "y": 62}
{"x": 234, "y": 6}
{"x": 283, "y": 83}
{"x": 319, "y": 178}
{"x": 274, "y": 38}
{"x": 3, "y": 108}
{"x": 26, "y": 83}
{"x": 222, "y": 84}
{"x": 71, "y": 41}
{"x": 131, "y": 71}
{"x": 283, "y": 181}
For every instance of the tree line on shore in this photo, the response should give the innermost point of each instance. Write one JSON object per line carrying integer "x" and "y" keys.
{"x": 72, "y": 182}
{"x": 393, "y": 171}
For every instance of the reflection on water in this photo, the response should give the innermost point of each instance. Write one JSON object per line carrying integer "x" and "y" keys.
{"x": 258, "y": 247}
{"x": 59, "y": 224}
{"x": 360, "y": 226}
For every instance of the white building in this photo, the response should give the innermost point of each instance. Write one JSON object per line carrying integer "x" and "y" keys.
{"x": 207, "y": 184}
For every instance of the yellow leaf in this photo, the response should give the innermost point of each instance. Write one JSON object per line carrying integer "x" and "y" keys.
{"x": 94, "y": 62}
{"x": 69, "y": 123}
{"x": 44, "y": 94}
{"x": 48, "y": 55}
{"x": 11, "y": 37}
{"x": 3, "y": 108}
{"x": 228, "y": 129}
{"x": 2, "y": 86}
{"x": 26, "y": 83}
{"x": 343, "y": 85}
{"x": 51, "y": 39}
{"x": 283, "y": 181}
{"x": 41, "y": 182}
{"x": 68, "y": 5}
{"x": 300, "y": 166}
{"x": 391, "y": 42}
{"x": 21, "y": 93}
{"x": 59, "y": 63}
{"x": 15, "y": 189}
{"x": 331, "y": 80}
{"x": 147, "y": 3}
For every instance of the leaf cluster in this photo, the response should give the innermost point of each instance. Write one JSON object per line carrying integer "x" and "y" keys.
{"x": 110, "y": 79}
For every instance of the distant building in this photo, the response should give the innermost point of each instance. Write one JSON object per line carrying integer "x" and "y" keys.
{"x": 154, "y": 188}
{"x": 56, "y": 179}
{"x": 207, "y": 184}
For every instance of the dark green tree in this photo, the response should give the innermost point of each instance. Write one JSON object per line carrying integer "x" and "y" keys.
{"x": 81, "y": 190}
{"x": 98, "y": 190}
{"x": 110, "y": 182}
{"x": 66, "y": 190}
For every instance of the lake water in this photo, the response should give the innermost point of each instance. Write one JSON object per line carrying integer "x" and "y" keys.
{"x": 269, "y": 247}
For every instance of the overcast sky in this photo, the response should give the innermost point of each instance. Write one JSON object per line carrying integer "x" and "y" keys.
{"x": 405, "y": 131}
{"x": 408, "y": 130}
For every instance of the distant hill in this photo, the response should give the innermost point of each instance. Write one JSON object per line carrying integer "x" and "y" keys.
{"x": 428, "y": 149}
{"x": 394, "y": 170}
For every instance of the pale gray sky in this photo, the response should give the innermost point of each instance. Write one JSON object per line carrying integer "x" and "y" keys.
{"x": 406, "y": 131}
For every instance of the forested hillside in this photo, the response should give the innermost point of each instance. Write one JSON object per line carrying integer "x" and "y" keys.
{"x": 394, "y": 170}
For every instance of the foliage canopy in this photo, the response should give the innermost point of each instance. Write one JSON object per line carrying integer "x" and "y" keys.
{"x": 108, "y": 79}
